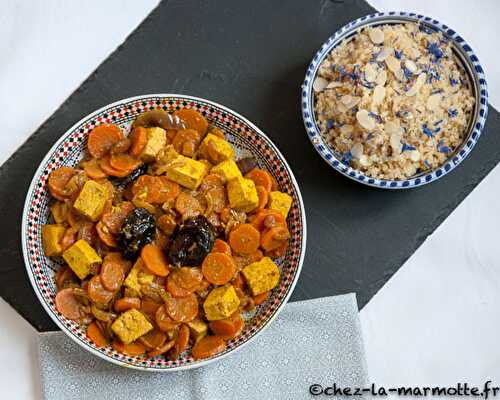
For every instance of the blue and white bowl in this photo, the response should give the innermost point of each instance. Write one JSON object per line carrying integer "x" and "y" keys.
{"x": 465, "y": 56}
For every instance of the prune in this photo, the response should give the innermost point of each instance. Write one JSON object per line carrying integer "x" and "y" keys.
{"x": 246, "y": 164}
{"x": 191, "y": 242}
{"x": 159, "y": 118}
{"x": 136, "y": 173}
{"x": 137, "y": 230}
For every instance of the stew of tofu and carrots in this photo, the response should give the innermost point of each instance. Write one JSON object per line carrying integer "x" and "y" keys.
{"x": 166, "y": 239}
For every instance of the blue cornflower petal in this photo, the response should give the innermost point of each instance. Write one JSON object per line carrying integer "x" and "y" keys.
{"x": 398, "y": 54}
{"x": 452, "y": 112}
{"x": 330, "y": 124}
{"x": 407, "y": 147}
{"x": 426, "y": 130}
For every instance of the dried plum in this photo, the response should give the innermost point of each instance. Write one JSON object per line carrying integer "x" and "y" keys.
{"x": 246, "y": 164}
{"x": 191, "y": 242}
{"x": 136, "y": 173}
{"x": 137, "y": 230}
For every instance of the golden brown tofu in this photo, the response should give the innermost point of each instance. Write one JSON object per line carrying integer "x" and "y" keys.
{"x": 227, "y": 169}
{"x": 280, "y": 201}
{"x": 261, "y": 276}
{"x": 59, "y": 211}
{"x": 51, "y": 239}
{"x": 91, "y": 200}
{"x": 221, "y": 148}
{"x": 131, "y": 325}
{"x": 221, "y": 302}
{"x": 157, "y": 140}
{"x": 137, "y": 277}
{"x": 186, "y": 172}
{"x": 242, "y": 194}
{"x": 198, "y": 329}
{"x": 80, "y": 258}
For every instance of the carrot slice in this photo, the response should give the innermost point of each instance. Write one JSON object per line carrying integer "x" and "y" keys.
{"x": 95, "y": 334}
{"x": 267, "y": 218}
{"x": 166, "y": 223}
{"x": 115, "y": 219}
{"x": 228, "y": 328}
{"x": 106, "y": 237}
{"x": 63, "y": 275}
{"x": 182, "y": 309}
{"x": 68, "y": 305}
{"x": 154, "y": 260}
{"x": 244, "y": 239}
{"x": 149, "y": 306}
{"x": 96, "y": 291}
{"x": 181, "y": 343}
{"x": 218, "y": 268}
{"x": 263, "y": 197}
{"x": 163, "y": 320}
{"x": 109, "y": 170}
{"x": 187, "y": 205}
{"x": 139, "y": 139}
{"x": 193, "y": 120}
{"x": 184, "y": 281}
{"x": 208, "y": 347}
{"x": 216, "y": 199}
{"x": 69, "y": 238}
{"x": 124, "y": 162}
{"x": 184, "y": 137}
{"x": 260, "y": 178}
{"x": 147, "y": 188}
{"x": 112, "y": 275}
{"x": 93, "y": 170}
{"x": 278, "y": 252}
{"x": 58, "y": 179}
{"x": 168, "y": 190}
{"x": 121, "y": 147}
{"x": 102, "y": 138}
{"x": 274, "y": 237}
{"x": 127, "y": 303}
{"x": 220, "y": 246}
{"x": 162, "y": 350}
{"x": 132, "y": 349}
{"x": 261, "y": 298}
{"x": 153, "y": 339}
{"x": 211, "y": 181}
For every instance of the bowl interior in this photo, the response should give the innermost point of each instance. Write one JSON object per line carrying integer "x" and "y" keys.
{"x": 464, "y": 57}
{"x": 69, "y": 150}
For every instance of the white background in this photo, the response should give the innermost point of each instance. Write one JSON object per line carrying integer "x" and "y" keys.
{"x": 434, "y": 322}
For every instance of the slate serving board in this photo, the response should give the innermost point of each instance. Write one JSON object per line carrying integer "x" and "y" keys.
{"x": 251, "y": 57}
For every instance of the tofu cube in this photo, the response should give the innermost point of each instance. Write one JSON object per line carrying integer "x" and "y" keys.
{"x": 80, "y": 258}
{"x": 242, "y": 194}
{"x": 186, "y": 172}
{"x": 261, "y": 276}
{"x": 91, "y": 200}
{"x": 131, "y": 325}
{"x": 227, "y": 169}
{"x": 221, "y": 302}
{"x": 198, "y": 329}
{"x": 59, "y": 211}
{"x": 281, "y": 202}
{"x": 137, "y": 277}
{"x": 157, "y": 140}
{"x": 51, "y": 239}
{"x": 221, "y": 149}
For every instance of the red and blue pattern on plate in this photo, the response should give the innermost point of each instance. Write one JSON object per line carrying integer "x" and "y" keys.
{"x": 69, "y": 150}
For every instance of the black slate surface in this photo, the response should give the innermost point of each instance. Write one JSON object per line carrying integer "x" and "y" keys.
{"x": 251, "y": 57}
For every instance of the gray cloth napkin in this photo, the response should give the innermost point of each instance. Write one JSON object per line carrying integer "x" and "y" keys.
{"x": 311, "y": 342}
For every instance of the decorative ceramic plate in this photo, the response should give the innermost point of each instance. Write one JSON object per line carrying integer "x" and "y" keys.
{"x": 246, "y": 138}
{"x": 466, "y": 59}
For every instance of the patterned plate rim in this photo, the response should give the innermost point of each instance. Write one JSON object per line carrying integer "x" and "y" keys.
{"x": 474, "y": 69}
{"x": 72, "y": 336}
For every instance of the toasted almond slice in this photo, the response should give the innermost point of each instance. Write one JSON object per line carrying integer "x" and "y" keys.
{"x": 319, "y": 84}
{"x": 365, "y": 120}
{"x": 378, "y": 94}
{"x": 417, "y": 85}
{"x": 376, "y": 35}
